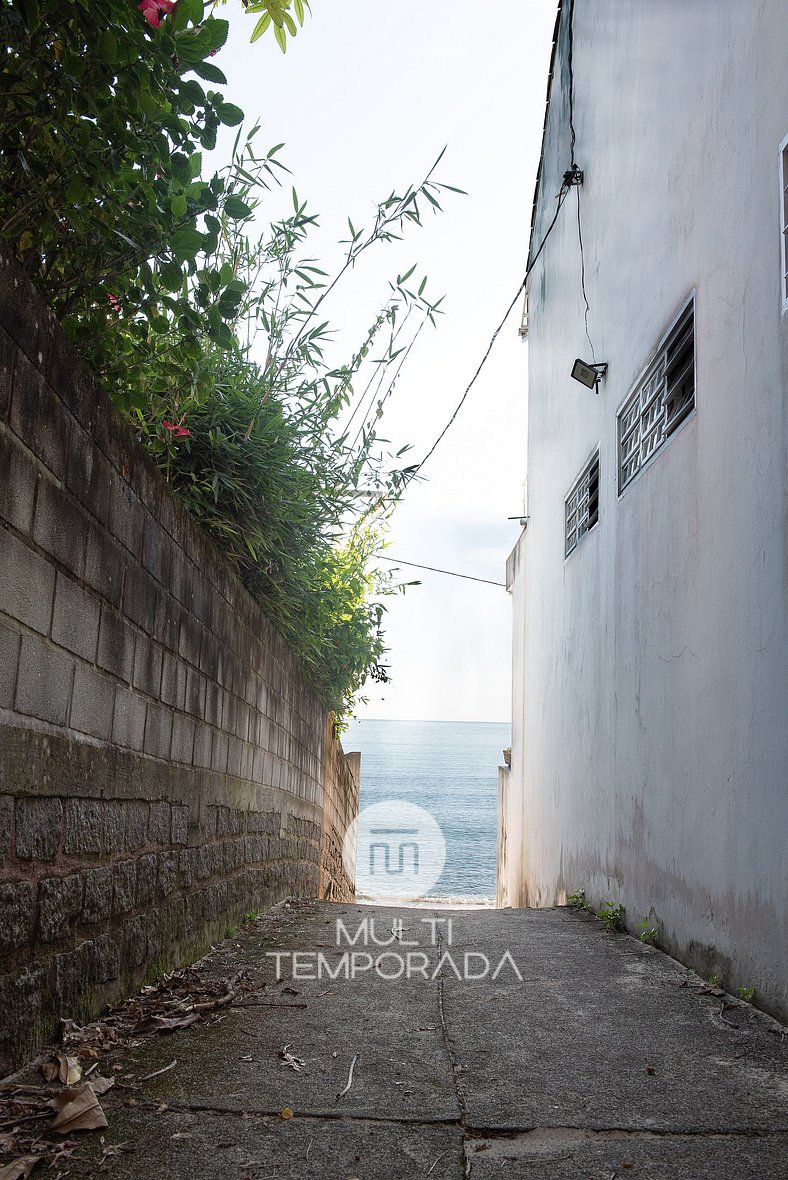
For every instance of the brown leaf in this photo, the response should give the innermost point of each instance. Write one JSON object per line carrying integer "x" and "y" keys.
{"x": 63, "y": 1068}
{"x": 164, "y": 1024}
{"x": 99, "y": 1085}
{"x": 78, "y": 1109}
{"x": 19, "y": 1169}
{"x": 99, "y": 1034}
{"x": 70, "y": 1070}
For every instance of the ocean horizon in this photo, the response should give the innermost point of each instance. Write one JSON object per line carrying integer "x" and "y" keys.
{"x": 450, "y": 769}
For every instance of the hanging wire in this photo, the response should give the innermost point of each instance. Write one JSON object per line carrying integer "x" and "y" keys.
{"x": 412, "y": 475}
{"x": 572, "y": 143}
{"x": 572, "y": 179}
{"x": 583, "y": 276}
{"x": 435, "y": 570}
{"x": 571, "y": 79}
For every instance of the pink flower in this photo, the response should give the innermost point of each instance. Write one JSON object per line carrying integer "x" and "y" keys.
{"x": 178, "y": 430}
{"x": 114, "y": 302}
{"x": 154, "y": 11}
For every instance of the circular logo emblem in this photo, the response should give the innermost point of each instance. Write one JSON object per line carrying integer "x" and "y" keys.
{"x": 397, "y": 848}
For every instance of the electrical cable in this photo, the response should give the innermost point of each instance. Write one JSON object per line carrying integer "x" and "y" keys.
{"x": 435, "y": 570}
{"x": 571, "y": 78}
{"x": 572, "y": 178}
{"x": 561, "y": 198}
{"x": 573, "y": 141}
{"x": 583, "y": 276}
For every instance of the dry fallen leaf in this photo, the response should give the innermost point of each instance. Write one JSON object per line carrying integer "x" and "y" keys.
{"x": 19, "y": 1169}
{"x": 285, "y": 1113}
{"x": 164, "y": 1024}
{"x": 63, "y": 1068}
{"x": 99, "y": 1085}
{"x": 78, "y": 1109}
{"x": 108, "y": 1150}
{"x": 289, "y": 1059}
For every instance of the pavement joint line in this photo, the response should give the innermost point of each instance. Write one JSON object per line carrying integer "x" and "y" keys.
{"x": 472, "y": 1131}
{"x": 177, "y": 1106}
{"x": 578, "y": 1134}
{"x": 456, "y": 1070}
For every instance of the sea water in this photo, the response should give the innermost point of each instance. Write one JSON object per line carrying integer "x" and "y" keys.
{"x": 451, "y": 770}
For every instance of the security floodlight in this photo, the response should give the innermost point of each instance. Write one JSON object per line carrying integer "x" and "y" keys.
{"x": 588, "y": 374}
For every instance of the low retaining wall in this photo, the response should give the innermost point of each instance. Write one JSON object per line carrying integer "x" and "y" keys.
{"x": 340, "y": 794}
{"x": 164, "y": 766}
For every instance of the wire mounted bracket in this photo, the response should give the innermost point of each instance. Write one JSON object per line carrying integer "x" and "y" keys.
{"x": 573, "y": 176}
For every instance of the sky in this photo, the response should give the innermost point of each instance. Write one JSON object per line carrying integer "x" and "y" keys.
{"x": 364, "y": 100}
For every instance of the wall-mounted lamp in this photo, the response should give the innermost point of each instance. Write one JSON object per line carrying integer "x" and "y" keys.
{"x": 588, "y": 374}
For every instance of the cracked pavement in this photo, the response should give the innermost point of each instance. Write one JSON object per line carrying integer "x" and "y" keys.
{"x": 605, "y": 1060}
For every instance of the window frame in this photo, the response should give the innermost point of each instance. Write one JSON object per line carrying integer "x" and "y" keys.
{"x": 582, "y": 528}
{"x": 654, "y": 427}
{"x": 782, "y": 173}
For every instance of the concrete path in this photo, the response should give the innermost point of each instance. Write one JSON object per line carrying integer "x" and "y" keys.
{"x": 604, "y": 1061}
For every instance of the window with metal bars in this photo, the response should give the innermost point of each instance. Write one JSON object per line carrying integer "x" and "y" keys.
{"x": 784, "y": 220}
{"x": 581, "y": 509}
{"x": 661, "y": 400}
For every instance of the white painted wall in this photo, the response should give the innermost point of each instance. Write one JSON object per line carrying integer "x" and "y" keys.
{"x": 650, "y": 729}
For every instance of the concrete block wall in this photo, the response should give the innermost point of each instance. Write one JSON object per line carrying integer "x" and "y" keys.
{"x": 341, "y": 784}
{"x": 163, "y": 763}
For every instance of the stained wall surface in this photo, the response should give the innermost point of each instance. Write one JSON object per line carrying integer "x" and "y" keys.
{"x": 164, "y": 765}
{"x": 650, "y": 729}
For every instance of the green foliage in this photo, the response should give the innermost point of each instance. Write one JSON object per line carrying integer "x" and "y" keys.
{"x": 276, "y": 15}
{"x": 205, "y": 330}
{"x": 648, "y": 933}
{"x": 747, "y": 994}
{"x": 612, "y": 916}
{"x": 253, "y": 447}
{"x": 578, "y": 900}
{"x": 715, "y": 980}
{"x": 100, "y": 140}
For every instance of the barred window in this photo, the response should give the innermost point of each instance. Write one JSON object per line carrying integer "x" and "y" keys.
{"x": 581, "y": 509}
{"x": 661, "y": 400}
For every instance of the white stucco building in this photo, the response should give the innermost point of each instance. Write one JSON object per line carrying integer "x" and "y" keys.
{"x": 650, "y": 584}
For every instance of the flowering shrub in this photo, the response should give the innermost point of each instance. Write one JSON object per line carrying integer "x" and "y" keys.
{"x": 150, "y": 266}
{"x": 154, "y": 11}
{"x": 103, "y": 118}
